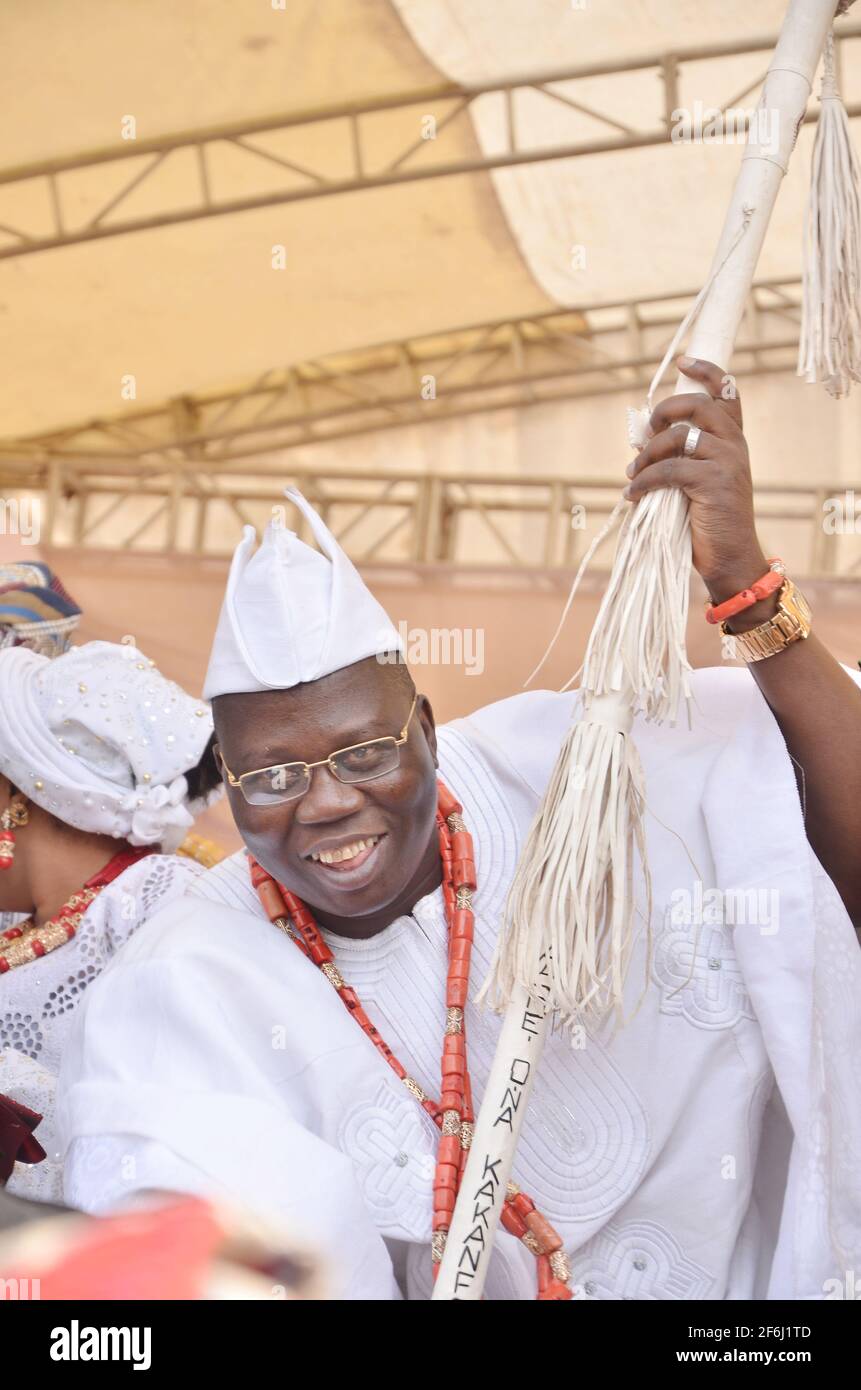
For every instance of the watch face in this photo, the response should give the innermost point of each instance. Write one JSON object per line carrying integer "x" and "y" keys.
{"x": 796, "y": 606}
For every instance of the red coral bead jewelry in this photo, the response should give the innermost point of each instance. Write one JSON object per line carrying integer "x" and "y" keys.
{"x": 453, "y": 1113}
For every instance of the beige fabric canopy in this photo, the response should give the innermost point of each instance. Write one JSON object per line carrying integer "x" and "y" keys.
{"x": 197, "y": 305}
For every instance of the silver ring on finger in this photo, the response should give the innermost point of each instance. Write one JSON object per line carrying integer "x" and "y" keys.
{"x": 692, "y": 439}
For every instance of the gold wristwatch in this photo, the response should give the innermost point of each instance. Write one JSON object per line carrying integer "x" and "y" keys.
{"x": 791, "y": 623}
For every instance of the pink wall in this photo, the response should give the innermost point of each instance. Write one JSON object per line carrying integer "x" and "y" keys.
{"x": 170, "y": 607}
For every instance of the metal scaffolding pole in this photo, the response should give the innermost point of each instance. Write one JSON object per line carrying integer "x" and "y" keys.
{"x": 370, "y": 163}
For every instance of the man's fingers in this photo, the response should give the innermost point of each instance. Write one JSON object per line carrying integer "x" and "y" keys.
{"x": 670, "y": 443}
{"x": 720, "y": 385}
{"x": 698, "y": 410}
{"x": 669, "y": 472}
{"x": 709, "y": 374}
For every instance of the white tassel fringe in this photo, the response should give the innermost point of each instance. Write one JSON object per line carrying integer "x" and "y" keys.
{"x": 572, "y": 897}
{"x": 830, "y": 344}
{"x": 578, "y": 867}
{"x": 638, "y": 640}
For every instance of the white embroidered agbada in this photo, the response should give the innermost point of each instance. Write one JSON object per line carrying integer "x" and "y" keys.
{"x": 101, "y": 739}
{"x": 707, "y": 1149}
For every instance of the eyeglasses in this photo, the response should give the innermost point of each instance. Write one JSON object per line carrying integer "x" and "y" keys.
{"x": 363, "y": 762}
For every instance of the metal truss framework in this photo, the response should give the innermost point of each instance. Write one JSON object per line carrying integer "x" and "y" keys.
{"x": 361, "y": 158}
{"x": 391, "y": 518}
{"x": 165, "y": 480}
{"x": 176, "y": 480}
{"x": 559, "y": 355}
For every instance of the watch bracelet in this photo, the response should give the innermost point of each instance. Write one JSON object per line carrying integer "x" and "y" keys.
{"x": 777, "y": 633}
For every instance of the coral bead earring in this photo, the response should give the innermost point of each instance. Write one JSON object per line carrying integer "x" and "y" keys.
{"x": 15, "y": 816}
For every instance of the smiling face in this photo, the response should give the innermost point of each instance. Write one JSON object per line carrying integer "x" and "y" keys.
{"x": 359, "y": 854}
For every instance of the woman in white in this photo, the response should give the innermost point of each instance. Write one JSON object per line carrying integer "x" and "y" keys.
{"x": 103, "y": 765}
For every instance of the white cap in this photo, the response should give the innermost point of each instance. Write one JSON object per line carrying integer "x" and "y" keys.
{"x": 292, "y": 614}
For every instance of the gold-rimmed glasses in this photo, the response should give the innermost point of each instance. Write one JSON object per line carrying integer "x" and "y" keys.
{"x": 361, "y": 762}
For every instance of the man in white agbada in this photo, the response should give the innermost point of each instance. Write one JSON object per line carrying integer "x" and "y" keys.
{"x": 709, "y": 1148}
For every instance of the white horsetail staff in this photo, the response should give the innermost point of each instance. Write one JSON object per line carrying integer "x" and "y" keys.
{"x": 570, "y": 916}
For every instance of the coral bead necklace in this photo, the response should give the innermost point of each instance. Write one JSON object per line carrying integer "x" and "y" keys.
{"x": 26, "y": 942}
{"x": 453, "y": 1113}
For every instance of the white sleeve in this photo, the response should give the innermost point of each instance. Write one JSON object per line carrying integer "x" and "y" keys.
{"x": 799, "y": 960}
{"x": 157, "y": 1093}
{"x": 138, "y": 894}
{"x": 801, "y": 969}
{"x": 524, "y": 733}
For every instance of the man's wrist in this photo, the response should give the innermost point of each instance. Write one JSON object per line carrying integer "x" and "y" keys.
{"x": 732, "y": 580}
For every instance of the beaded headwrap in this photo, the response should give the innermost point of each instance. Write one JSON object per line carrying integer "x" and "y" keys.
{"x": 101, "y": 740}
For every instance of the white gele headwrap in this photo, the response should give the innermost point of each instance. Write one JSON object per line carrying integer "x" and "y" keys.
{"x": 101, "y": 740}
{"x": 293, "y": 614}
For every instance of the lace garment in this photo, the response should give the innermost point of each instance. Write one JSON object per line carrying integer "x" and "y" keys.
{"x": 37, "y": 1002}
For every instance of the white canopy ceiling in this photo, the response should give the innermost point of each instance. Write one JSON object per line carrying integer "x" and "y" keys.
{"x": 196, "y": 305}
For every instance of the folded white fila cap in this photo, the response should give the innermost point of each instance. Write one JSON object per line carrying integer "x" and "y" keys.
{"x": 292, "y": 613}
